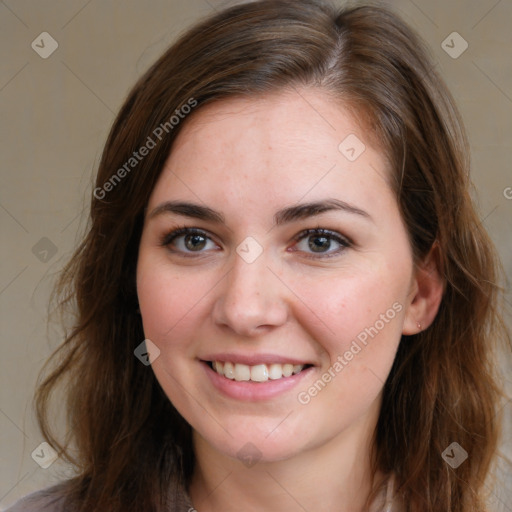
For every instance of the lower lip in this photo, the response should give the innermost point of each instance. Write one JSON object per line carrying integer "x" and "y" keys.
{"x": 253, "y": 391}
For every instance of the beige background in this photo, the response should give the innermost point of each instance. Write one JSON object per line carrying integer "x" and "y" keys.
{"x": 56, "y": 113}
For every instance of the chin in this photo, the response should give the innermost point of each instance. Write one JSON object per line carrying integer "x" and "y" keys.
{"x": 268, "y": 443}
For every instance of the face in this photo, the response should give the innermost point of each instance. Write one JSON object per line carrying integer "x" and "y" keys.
{"x": 272, "y": 253}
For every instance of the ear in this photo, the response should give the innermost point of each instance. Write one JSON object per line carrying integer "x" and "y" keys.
{"x": 425, "y": 294}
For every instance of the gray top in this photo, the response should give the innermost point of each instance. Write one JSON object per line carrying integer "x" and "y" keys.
{"x": 40, "y": 501}
{"x": 48, "y": 500}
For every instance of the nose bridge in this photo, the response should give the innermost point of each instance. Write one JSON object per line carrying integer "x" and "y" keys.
{"x": 251, "y": 296}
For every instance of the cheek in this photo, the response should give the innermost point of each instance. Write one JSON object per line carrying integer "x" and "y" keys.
{"x": 169, "y": 303}
{"x": 361, "y": 324}
{"x": 167, "y": 299}
{"x": 365, "y": 307}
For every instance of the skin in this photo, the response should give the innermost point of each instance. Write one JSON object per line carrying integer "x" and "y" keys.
{"x": 247, "y": 159}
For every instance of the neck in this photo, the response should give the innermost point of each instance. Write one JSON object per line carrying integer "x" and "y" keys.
{"x": 333, "y": 476}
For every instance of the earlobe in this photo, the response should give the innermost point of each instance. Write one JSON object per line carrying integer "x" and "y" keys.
{"x": 426, "y": 293}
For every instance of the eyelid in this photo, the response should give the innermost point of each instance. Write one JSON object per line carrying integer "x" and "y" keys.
{"x": 169, "y": 236}
{"x": 343, "y": 240}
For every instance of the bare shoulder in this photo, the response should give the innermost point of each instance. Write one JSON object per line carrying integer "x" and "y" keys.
{"x": 46, "y": 500}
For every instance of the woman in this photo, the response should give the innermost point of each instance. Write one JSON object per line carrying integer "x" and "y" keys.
{"x": 282, "y": 214}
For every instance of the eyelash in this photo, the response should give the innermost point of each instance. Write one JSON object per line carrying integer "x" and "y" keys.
{"x": 343, "y": 241}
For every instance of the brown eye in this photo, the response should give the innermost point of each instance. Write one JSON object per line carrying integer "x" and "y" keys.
{"x": 195, "y": 242}
{"x": 188, "y": 240}
{"x": 321, "y": 242}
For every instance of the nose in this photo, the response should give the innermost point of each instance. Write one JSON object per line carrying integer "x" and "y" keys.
{"x": 251, "y": 298}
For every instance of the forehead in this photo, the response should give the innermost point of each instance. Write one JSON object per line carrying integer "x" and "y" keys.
{"x": 287, "y": 122}
{"x": 279, "y": 147}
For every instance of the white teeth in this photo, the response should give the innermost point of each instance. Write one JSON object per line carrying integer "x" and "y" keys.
{"x": 229, "y": 370}
{"x": 218, "y": 367}
{"x": 275, "y": 371}
{"x": 242, "y": 372}
{"x": 287, "y": 370}
{"x": 259, "y": 373}
{"x": 256, "y": 373}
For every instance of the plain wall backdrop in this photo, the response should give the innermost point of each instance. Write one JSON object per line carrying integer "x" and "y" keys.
{"x": 65, "y": 70}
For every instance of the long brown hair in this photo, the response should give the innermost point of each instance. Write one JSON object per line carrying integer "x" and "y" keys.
{"x": 130, "y": 446}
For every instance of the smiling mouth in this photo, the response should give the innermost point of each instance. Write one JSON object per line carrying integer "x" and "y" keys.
{"x": 256, "y": 373}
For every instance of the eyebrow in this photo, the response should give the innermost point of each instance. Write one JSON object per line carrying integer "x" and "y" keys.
{"x": 286, "y": 215}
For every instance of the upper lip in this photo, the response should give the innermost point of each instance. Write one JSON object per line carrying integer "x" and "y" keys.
{"x": 254, "y": 359}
